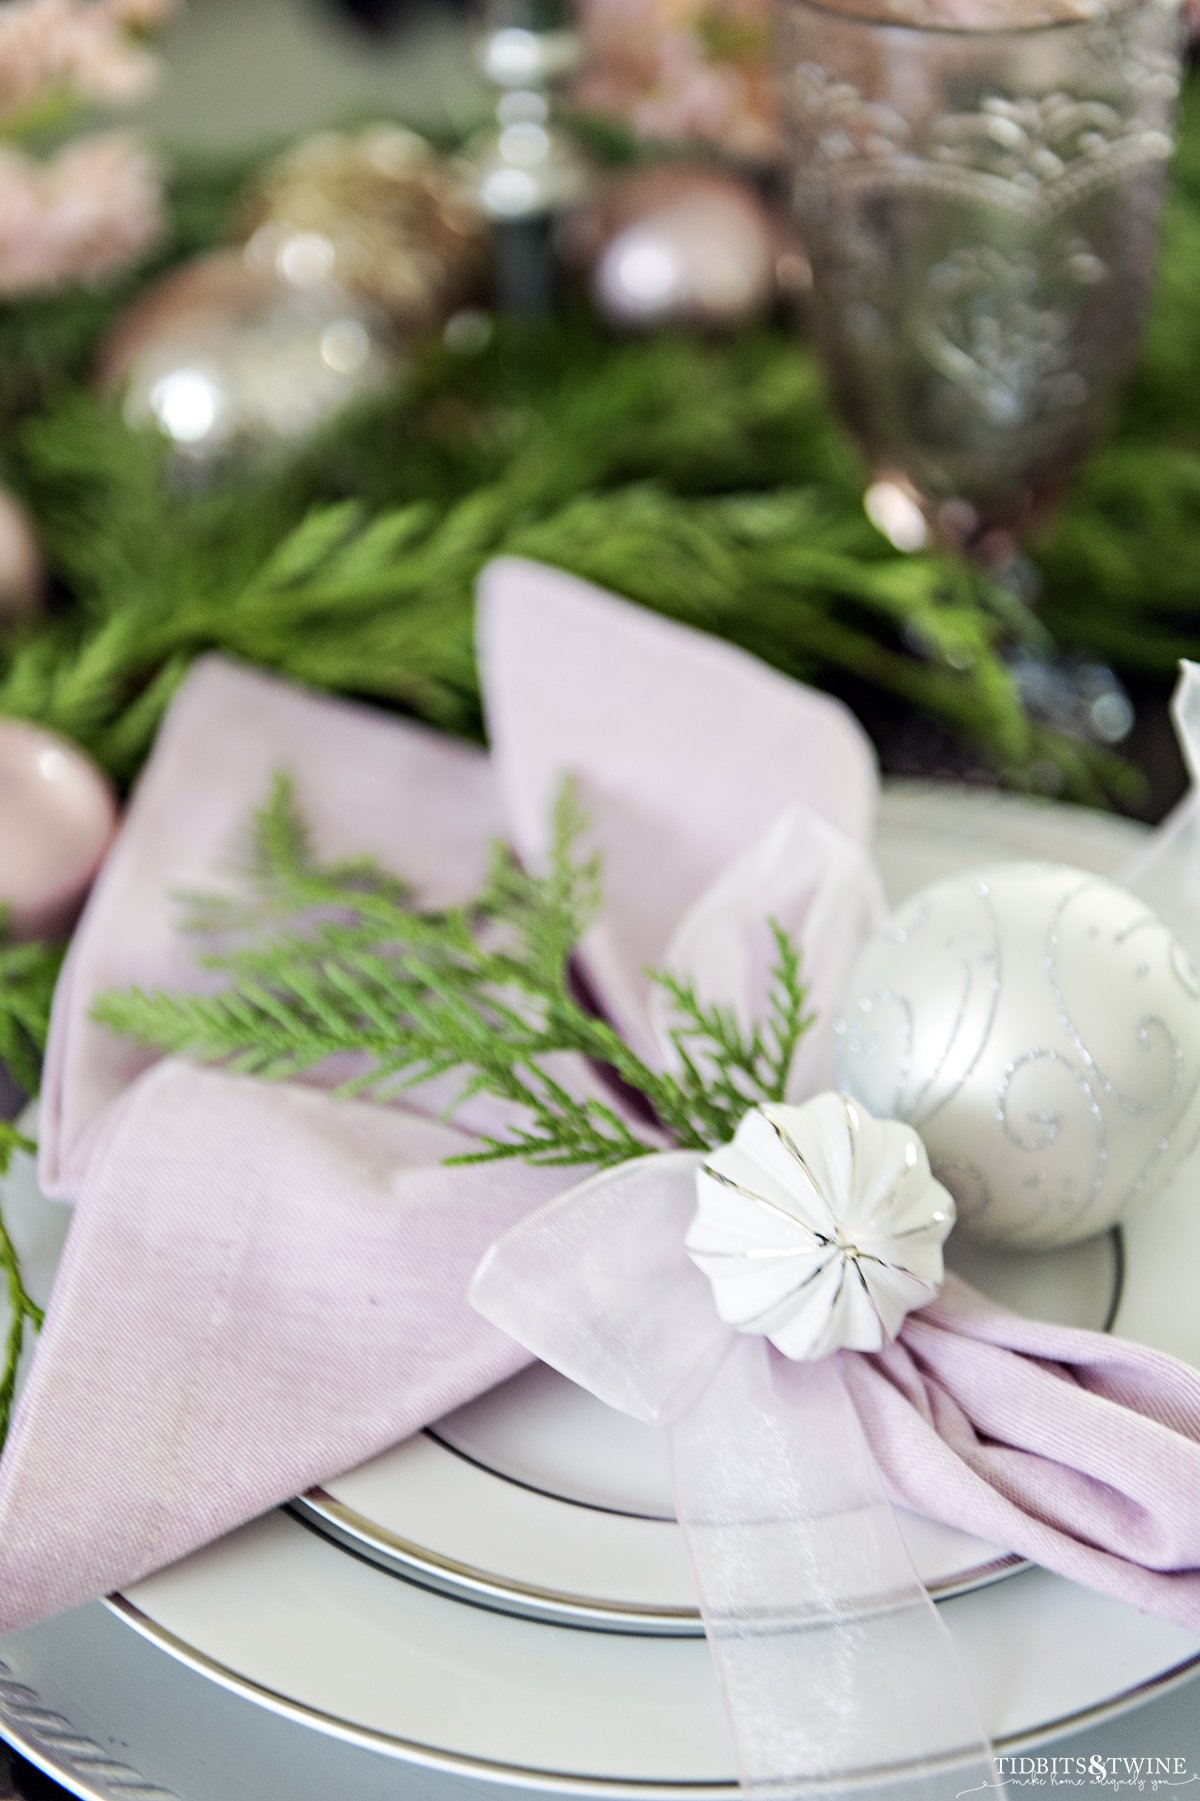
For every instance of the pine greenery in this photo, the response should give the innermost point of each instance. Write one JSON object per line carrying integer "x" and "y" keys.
{"x": 659, "y": 469}
{"x": 23, "y": 1312}
{"x": 340, "y": 964}
{"x": 28, "y": 973}
{"x": 703, "y": 478}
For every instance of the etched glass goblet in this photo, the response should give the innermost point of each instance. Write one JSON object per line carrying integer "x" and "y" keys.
{"x": 978, "y": 183}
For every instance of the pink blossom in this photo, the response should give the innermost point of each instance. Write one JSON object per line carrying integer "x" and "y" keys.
{"x": 683, "y": 69}
{"x": 80, "y": 47}
{"x": 85, "y": 214}
{"x": 140, "y": 15}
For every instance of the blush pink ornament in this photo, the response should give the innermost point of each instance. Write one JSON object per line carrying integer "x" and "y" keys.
{"x": 677, "y": 242}
{"x": 57, "y": 818}
{"x": 245, "y": 351}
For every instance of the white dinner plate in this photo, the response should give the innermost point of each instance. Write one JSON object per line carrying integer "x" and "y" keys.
{"x": 283, "y": 1620}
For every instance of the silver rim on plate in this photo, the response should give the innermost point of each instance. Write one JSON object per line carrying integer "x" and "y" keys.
{"x": 616, "y": 1788}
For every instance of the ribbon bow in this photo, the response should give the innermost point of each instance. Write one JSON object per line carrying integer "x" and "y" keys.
{"x": 834, "y": 1664}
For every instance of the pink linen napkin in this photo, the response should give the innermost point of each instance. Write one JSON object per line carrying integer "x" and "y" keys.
{"x": 264, "y": 1286}
{"x": 721, "y": 793}
{"x": 1075, "y": 1449}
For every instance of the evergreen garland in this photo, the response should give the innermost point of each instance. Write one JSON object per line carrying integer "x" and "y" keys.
{"x": 28, "y": 973}
{"x": 703, "y": 478}
{"x": 23, "y": 1312}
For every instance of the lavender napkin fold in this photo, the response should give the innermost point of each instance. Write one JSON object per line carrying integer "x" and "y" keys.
{"x": 1077, "y": 1450}
{"x": 721, "y": 795}
{"x": 262, "y": 1286}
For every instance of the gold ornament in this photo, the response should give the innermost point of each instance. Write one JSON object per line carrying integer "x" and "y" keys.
{"x": 380, "y": 212}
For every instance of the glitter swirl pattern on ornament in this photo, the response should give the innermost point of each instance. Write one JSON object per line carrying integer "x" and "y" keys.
{"x": 1040, "y": 1028}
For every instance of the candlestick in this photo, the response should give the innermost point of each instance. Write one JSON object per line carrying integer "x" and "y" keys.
{"x": 21, "y": 573}
{"x": 527, "y": 169}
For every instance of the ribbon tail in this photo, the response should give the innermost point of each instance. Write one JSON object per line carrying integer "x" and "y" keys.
{"x": 838, "y": 1676}
{"x": 837, "y": 1672}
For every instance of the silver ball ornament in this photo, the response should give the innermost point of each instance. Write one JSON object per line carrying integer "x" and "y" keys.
{"x": 1040, "y": 1028}
{"x": 232, "y": 353}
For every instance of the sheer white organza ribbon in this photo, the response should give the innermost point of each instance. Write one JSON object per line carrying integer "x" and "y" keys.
{"x": 838, "y": 1675}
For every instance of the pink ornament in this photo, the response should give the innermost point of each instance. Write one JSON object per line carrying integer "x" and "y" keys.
{"x": 229, "y": 352}
{"x": 678, "y": 242}
{"x": 57, "y": 818}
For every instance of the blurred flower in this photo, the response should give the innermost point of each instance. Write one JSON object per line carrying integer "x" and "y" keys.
{"x": 683, "y": 69}
{"x": 140, "y": 15}
{"x": 86, "y": 213}
{"x": 87, "y": 49}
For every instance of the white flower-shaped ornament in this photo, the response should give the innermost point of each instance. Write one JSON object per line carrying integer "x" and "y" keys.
{"x": 820, "y": 1227}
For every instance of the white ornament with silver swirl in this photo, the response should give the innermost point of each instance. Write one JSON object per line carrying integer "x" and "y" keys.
{"x": 819, "y": 1227}
{"x": 1040, "y": 1027}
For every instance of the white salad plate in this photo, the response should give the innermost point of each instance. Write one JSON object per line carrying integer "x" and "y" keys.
{"x": 276, "y": 1665}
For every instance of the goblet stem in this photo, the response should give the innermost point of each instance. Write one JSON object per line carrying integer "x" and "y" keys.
{"x": 1074, "y": 694}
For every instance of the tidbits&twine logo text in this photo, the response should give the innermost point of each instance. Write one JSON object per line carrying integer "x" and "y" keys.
{"x": 1144, "y": 1774}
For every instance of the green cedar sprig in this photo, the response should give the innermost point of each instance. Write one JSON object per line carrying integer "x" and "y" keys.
{"x": 28, "y": 973}
{"x": 704, "y": 481}
{"x": 341, "y": 964}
